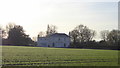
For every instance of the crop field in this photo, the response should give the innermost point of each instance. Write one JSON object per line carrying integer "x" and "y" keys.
{"x": 43, "y": 56}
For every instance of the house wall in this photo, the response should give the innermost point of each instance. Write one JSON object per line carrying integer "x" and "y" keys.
{"x": 54, "y": 42}
{"x": 42, "y": 42}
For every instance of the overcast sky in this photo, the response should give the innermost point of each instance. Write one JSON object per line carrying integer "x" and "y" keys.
{"x": 34, "y": 15}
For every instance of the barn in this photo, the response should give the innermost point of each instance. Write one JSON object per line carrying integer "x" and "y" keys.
{"x": 54, "y": 40}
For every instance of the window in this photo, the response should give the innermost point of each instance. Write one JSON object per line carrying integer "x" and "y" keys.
{"x": 59, "y": 39}
{"x": 53, "y": 44}
{"x": 64, "y": 45}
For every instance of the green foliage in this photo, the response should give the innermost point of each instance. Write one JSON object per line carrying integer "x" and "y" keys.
{"x": 17, "y": 36}
{"x": 41, "y": 56}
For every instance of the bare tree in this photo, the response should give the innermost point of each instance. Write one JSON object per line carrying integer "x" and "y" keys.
{"x": 34, "y": 38}
{"x": 104, "y": 34}
{"x": 2, "y": 32}
{"x": 74, "y": 36}
{"x": 84, "y": 33}
{"x": 81, "y": 34}
{"x": 51, "y": 29}
{"x": 10, "y": 26}
{"x": 41, "y": 34}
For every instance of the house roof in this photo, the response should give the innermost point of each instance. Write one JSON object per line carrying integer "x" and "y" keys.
{"x": 58, "y": 34}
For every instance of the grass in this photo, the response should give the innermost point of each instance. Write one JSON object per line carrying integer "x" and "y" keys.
{"x": 43, "y": 56}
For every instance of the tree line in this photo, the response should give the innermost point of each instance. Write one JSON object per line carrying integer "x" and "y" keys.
{"x": 15, "y": 35}
{"x": 81, "y": 37}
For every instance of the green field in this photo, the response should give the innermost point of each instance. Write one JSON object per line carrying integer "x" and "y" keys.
{"x": 43, "y": 56}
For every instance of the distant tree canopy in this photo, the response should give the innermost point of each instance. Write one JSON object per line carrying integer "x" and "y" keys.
{"x": 104, "y": 35}
{"x": 1, "y": 35}
{"x": 51, "y": 29}
{"x": 111, "y": 39}
{"x": 16, "y": 36}
{"x": 81, "y": 34}
{"x": 114, "y": 37}
{"x": 2, "y": 32}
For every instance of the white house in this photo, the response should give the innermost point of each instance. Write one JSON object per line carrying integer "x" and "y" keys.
{"x": 54, "y": 40}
